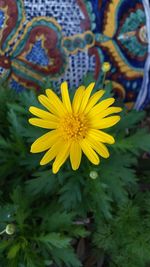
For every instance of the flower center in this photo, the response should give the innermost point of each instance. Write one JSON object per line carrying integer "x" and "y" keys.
{"x": 74, "y": 126}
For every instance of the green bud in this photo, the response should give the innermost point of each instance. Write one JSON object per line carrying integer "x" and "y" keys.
{"x": 10, "y": 229}
{"x": 94, "y": 175}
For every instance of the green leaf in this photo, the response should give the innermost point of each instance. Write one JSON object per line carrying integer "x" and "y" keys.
{"x": 71, "y": 191}
{"x": 13, "y": 251}
{"x": 45, "y": 183}
{"x": 79, "y": 231}
{"x": 57, "y": 220}
{"x": 129, "y": 119}
{"x": 4, "y": 244}
{"x": 22, "y": 205}
{"x": 66, "y": 256}
{"x": 55, "y": 239}
{"x": 135, "y": 143}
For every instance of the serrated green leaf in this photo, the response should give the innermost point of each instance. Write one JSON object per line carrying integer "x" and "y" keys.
{"x": 65, "y": 256}
{"x": 45, "y": 183}
{"x": 135, "y": 143}
{"x": 55, "y": 239}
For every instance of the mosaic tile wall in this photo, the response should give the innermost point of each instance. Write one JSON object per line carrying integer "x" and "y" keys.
{"x": 66, "y": 39}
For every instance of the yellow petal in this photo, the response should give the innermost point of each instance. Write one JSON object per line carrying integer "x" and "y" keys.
{"x": 100, "y": 148}
{"x": 61, "y": 157}
{"x": 86, "y": 97}
{"x": 51, "y": 153}
{"x": 89, "y": 152}
{"x": 110, "y": 111}
{"x": 65, "y": 96}
{"x": 100, "y": 107}
{"x": 56, "y": 103}
{"x": 78, "y": 98}
{"x": 46, "y": 103}
{"x": 43, "y": 123}
{"x": 93, "y": 100}
{"x": 44, "y": 142}
{"x": 43, "y": 114}
{"x": 101, "y": 136}
{"x": 105, "y": 123}
{"x": 75, "y": 155}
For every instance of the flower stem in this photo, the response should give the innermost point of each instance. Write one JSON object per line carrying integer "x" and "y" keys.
{"x": 3, "y": 232}
{"x": 103, "y": 81}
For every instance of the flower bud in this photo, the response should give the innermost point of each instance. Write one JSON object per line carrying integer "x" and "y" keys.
{"x": 10, "y": 229}
{"x": 106, "y": 67}
{"x": 94, "y": 175}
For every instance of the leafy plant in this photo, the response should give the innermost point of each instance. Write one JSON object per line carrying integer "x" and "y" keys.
{"x": 53, "y": 213}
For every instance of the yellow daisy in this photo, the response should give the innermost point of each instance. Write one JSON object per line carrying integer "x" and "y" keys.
{"x": 73, "y": 127}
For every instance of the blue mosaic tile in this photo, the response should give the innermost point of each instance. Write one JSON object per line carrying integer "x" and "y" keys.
{"x": 2, "y": 18}
{"x": 16, "y": 86}
{"x": 37, "y": 55}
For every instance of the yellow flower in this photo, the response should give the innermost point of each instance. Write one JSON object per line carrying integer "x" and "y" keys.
{"x": 73, "y": 127}
{"x": 106, "y": 67}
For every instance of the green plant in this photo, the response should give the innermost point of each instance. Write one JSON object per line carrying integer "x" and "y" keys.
{"x": 50, "y": 211}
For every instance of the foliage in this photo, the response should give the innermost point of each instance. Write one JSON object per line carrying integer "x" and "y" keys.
{"x": 125, "y": 238}
{"x": 51, "y": 213}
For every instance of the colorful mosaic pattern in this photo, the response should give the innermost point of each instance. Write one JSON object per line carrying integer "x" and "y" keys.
{"x": 66, "y": 39}
{"x": 144, "y": 94}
